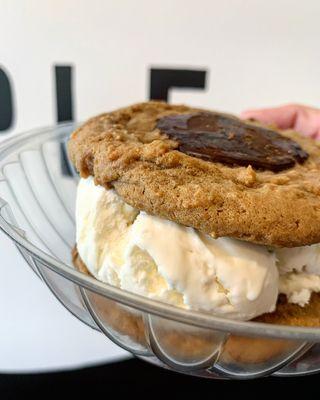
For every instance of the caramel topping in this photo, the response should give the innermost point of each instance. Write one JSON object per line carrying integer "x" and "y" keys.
{"x": 219, "y": 138}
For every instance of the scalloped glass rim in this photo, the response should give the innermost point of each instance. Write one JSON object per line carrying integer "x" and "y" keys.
{"x": 195, "y": 318}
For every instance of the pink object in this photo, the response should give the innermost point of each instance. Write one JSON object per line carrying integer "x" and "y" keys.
{"x": 301, "y": 118}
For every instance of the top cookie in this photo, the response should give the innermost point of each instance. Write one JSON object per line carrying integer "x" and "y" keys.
{"x": 207, "y": 170}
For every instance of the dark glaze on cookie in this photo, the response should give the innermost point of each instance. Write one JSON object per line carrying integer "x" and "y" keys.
{"x": 220, "y": 138}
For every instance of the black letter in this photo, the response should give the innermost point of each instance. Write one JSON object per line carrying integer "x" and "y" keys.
{"x": 64, "y": 107}
{"x": 63, "y": 75}
{"x": 161, "y": 80}
{"x": 6, "y": 104}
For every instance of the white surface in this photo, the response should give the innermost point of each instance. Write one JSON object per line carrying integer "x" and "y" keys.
{"x": 257, "y": 53}
{"x": 36, "y": 332}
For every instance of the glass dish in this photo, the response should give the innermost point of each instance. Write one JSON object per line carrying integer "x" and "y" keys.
{"x": 37, "y": 190}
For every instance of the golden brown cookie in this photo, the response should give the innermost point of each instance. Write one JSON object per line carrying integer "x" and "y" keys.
{"x": 268, "y": 192}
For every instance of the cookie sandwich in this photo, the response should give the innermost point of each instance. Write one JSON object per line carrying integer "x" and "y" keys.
{"x": 201, "y": 210}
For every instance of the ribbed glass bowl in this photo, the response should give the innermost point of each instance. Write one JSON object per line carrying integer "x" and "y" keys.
{"x": 37, "y": 190}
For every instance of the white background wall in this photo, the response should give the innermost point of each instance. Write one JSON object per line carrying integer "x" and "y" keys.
{"x": 257, "y": 52}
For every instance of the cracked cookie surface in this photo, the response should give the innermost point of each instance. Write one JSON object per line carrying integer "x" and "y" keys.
{"x": 125, "y": 150}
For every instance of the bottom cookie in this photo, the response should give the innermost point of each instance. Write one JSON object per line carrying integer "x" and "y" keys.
{"x": 195, "y": 343}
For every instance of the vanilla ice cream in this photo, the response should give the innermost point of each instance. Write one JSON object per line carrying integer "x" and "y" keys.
{"x": 169, "y": 262}
{"x": 299, "y": 269}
